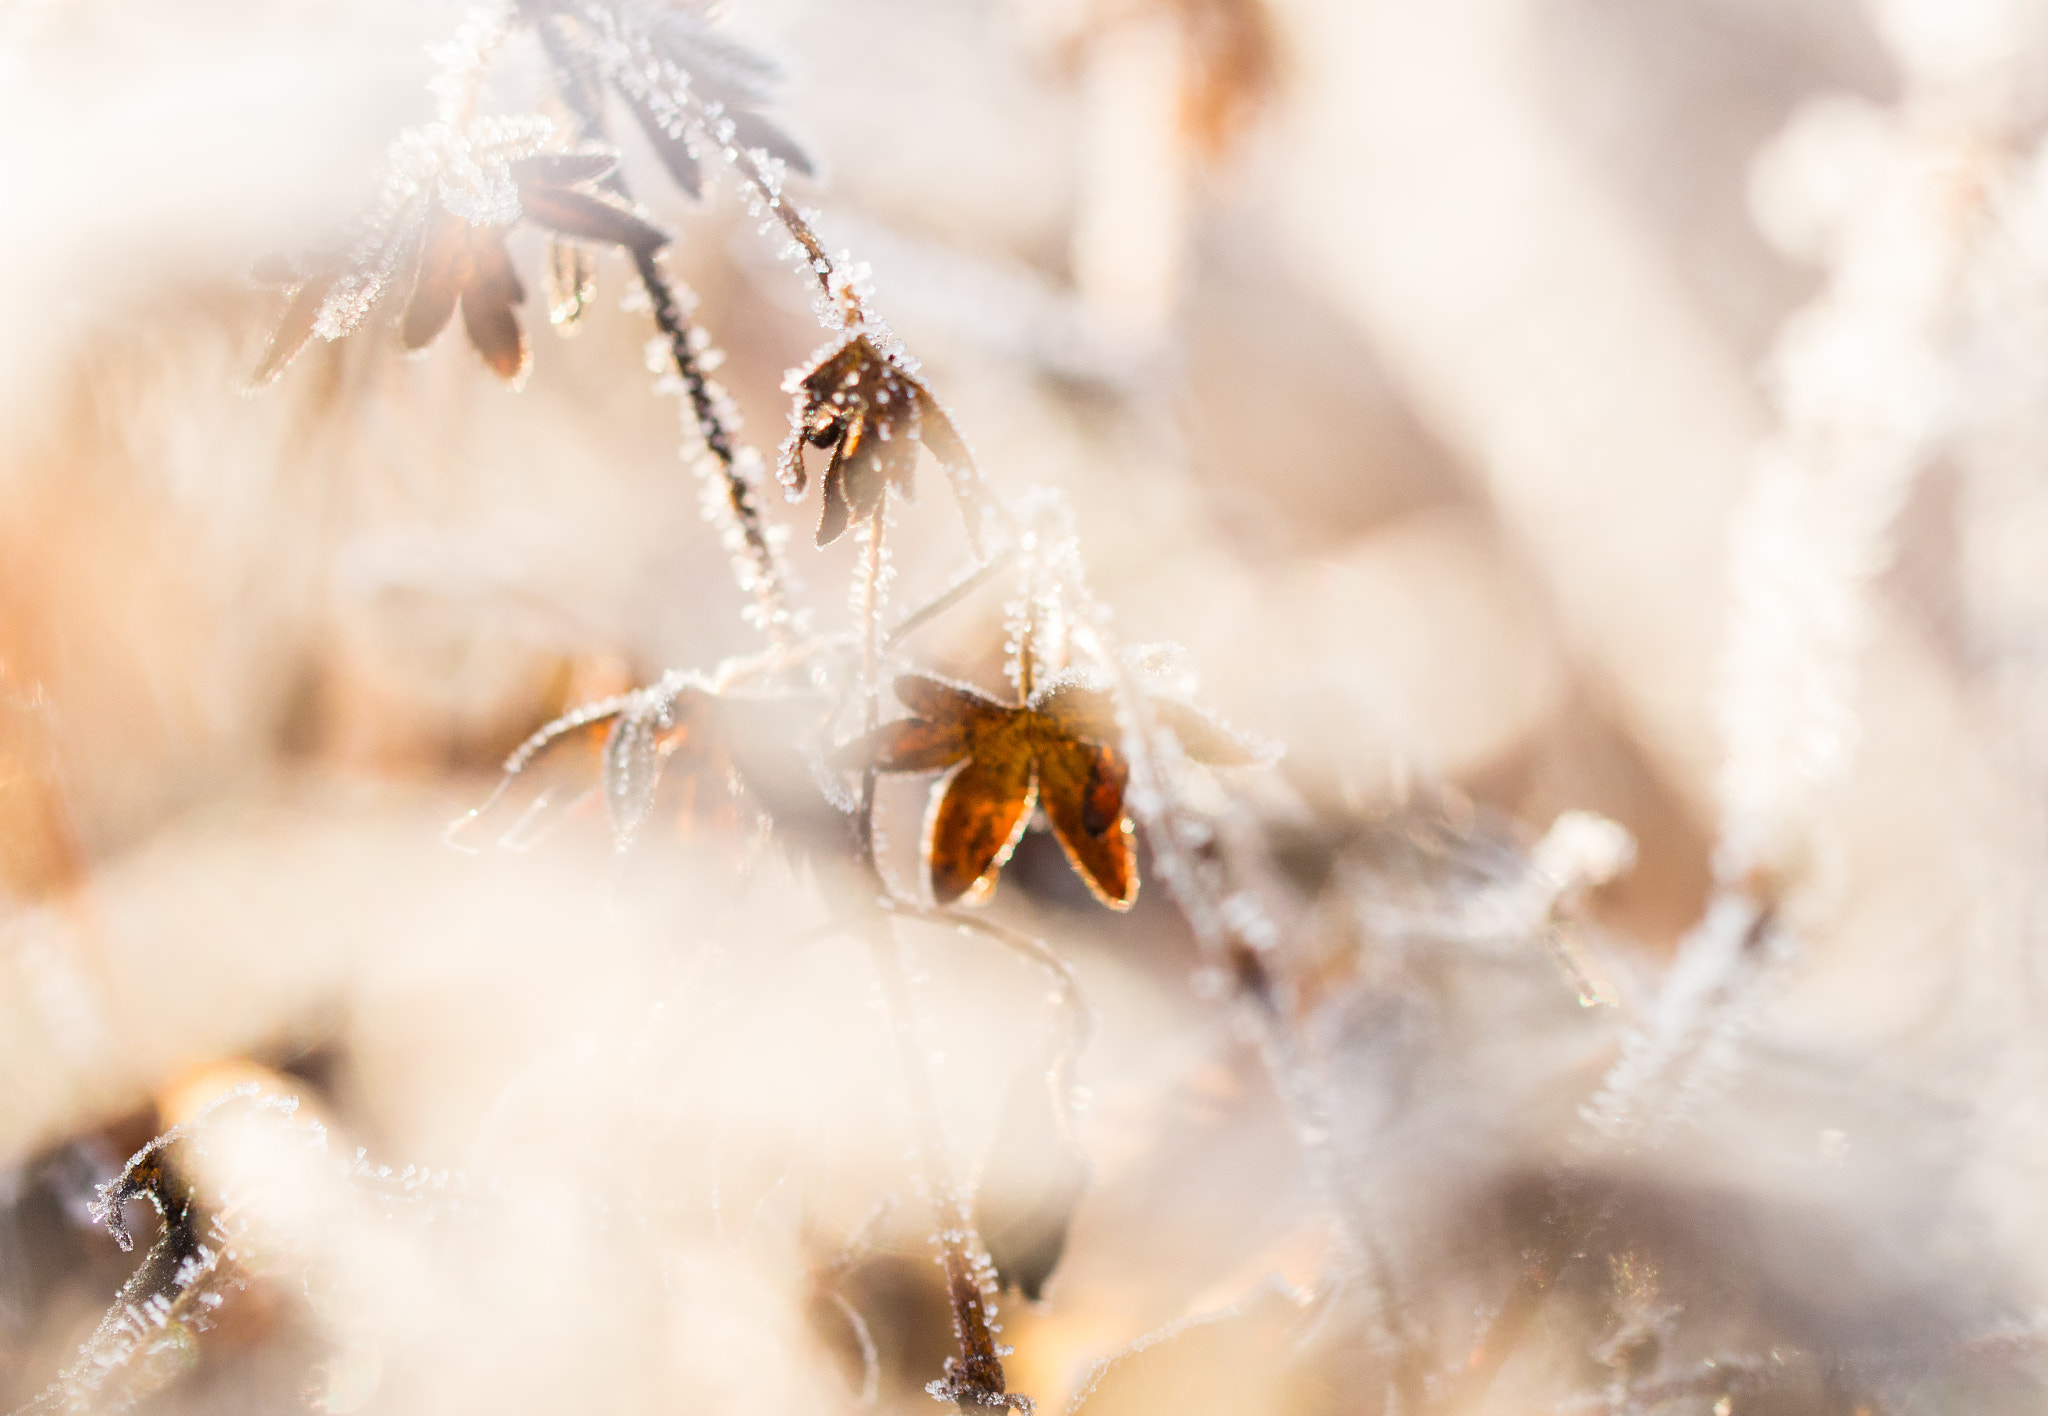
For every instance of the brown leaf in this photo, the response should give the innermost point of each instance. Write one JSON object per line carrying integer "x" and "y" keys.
{"x": 468, "y": 265}
{"x": 933, "y": 697}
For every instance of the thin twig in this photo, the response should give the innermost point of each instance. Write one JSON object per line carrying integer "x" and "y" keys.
{"x": 741, "y": 496}
{"x": 800, "y": 231}
{"x": 945, "y": 600}
{"x": 975, "y": 1376}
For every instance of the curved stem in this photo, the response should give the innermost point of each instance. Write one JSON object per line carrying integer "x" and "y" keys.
{"x": 975, "y": 1376}
{"x": 799, "y": 231}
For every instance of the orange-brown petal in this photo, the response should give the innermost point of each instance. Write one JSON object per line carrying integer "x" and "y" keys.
{"x": 977, "y": 815}
{"x": 930, "y": 697}
{"x": 1082, "y": 790}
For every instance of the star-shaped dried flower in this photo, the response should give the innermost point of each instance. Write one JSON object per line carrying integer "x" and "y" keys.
{"x": 465, "y": 263}
{"x": 1056, "y": 750}
{"x": 872, "y": 413}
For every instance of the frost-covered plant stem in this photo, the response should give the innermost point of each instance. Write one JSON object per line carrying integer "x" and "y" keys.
{"x": 975, "y": 1376}
{"x": 820, "y": 263}
{"x": 870, "y": 607}
{"x": 766, "y": 579}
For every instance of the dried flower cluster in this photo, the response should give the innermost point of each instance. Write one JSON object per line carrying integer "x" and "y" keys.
{"x": 1523, "y": 1170}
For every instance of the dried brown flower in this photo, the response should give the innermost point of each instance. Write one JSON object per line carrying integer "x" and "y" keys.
{"x": 872, "y": 413}
{"x": 464, "y": 263}
{"x": 1055, "y": 750}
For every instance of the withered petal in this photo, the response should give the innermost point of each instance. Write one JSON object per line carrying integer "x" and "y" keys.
{"x": 977, "y": 816}
{"x": 833, "y": 370}
{"x": 936, "y": 698}
{"x": 907, "y": 745}
{"x": 487, "y": 303}
{"x": 752, "y": 130}
{"x": 862, "y": 477}
{"x": 898, "y": 455}
{"x": 1081, "y": 787}
{"x": 1088, "y": 714}
{"x": 590, "y": 218}
{"x": 937, "y": 433}
{"x": 833, "y": 516}
{"x": 492, "y": 273}
{"x": 673, "y": 151}
{"x": 437, "y": 284}
{"x": 1033, "y": 1178}
{"x": 495, "y": 332}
